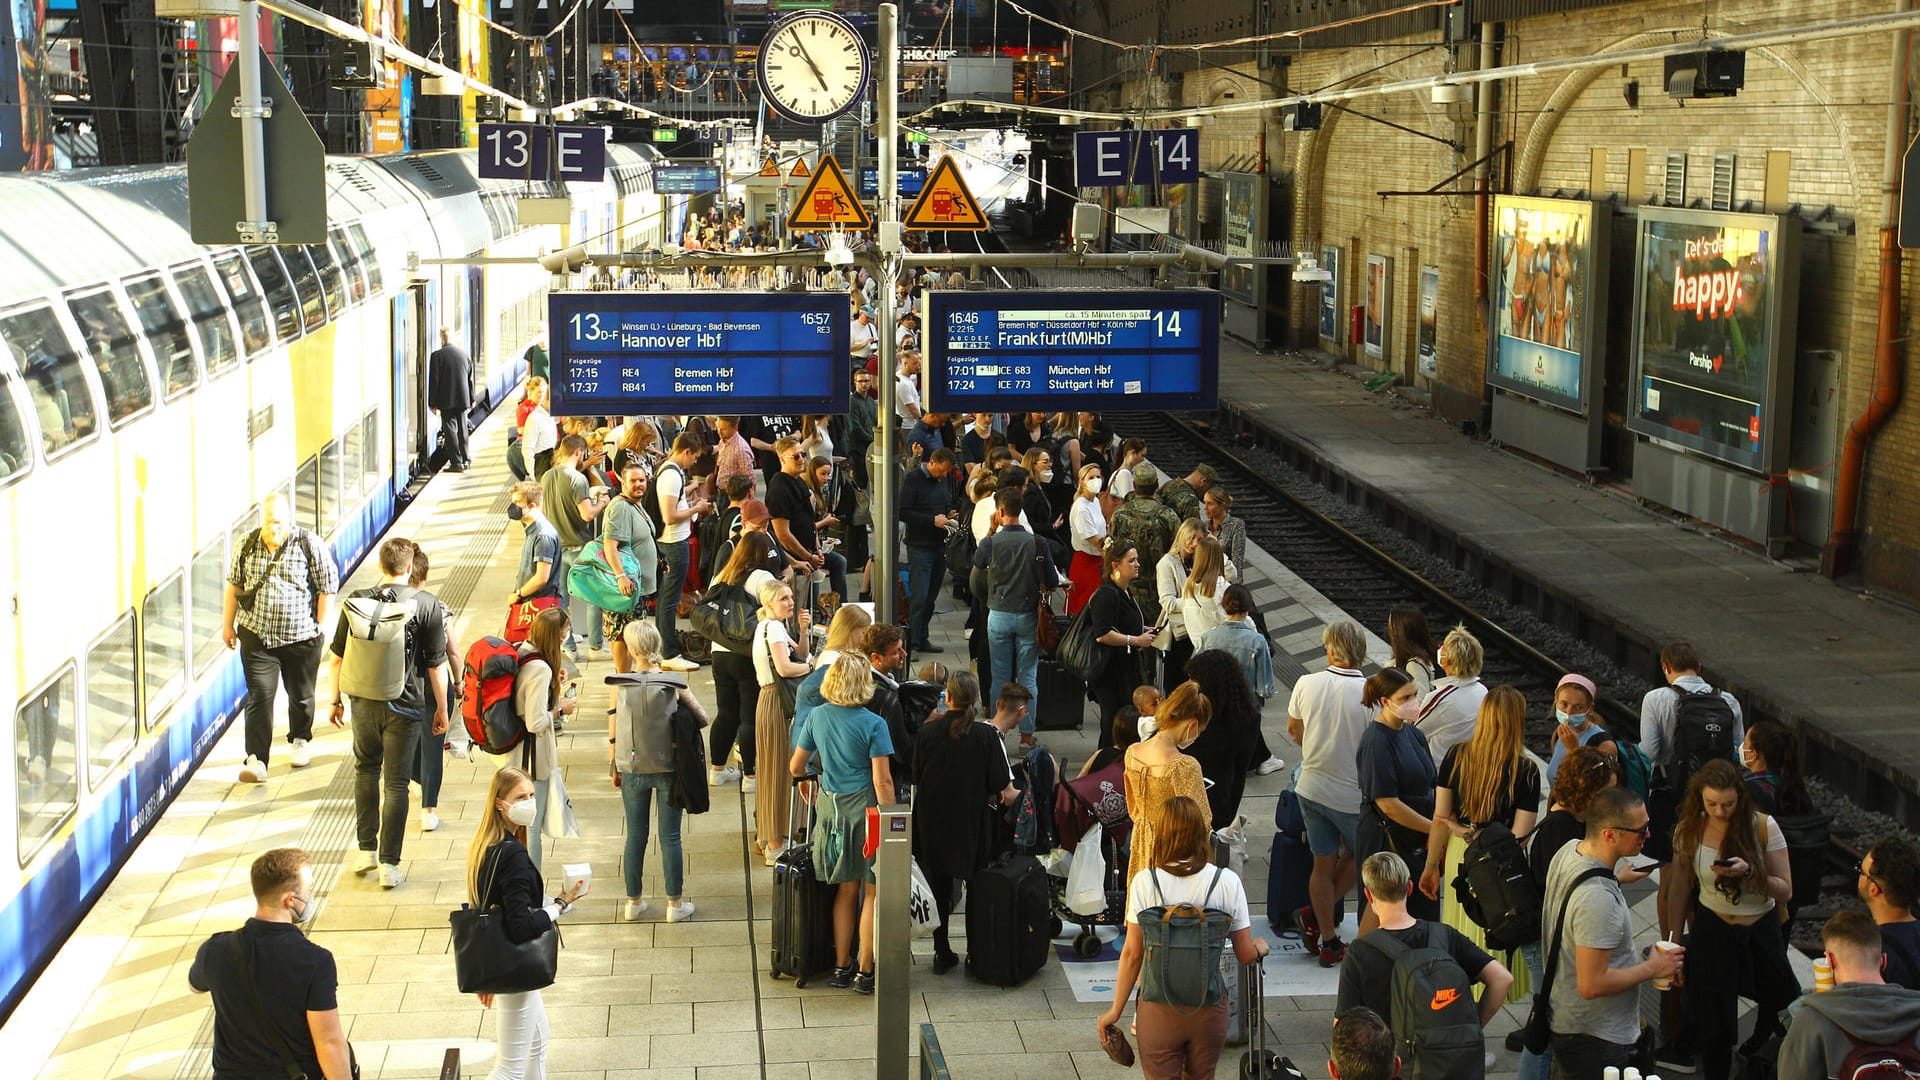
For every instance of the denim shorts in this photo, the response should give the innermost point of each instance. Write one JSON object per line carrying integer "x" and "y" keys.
{"x": 1329, "y": 830}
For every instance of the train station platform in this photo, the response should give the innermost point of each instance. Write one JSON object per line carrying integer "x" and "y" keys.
{"x": 633, "y": 1001}
{"x": 1837, "y": 664}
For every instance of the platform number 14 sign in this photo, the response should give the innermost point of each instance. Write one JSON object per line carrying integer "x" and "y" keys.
{"x": 1114, "y": 158}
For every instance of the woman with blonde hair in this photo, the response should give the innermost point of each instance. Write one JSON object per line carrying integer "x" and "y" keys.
{"x": 1157, "y": 771}
{"x": 776, "y": 656}
{"x": 640, "y": 756}
{"x": 856, "y": 774}
{"x": 1206, "y": 583}
{"x": 1089, "y": 527}
{"x": 1170, "y": 575}
{"x": 1487, "y": 780}
{"x": 736, "y": 687}
{"x": 536, "y": 696}
{"x": 843, "y": 636}
{"x": 1177, "y": 1039}
{"x": 501, "y": 874}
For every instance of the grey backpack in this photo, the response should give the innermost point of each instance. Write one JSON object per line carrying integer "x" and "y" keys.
{"x": 643, "y": 719}
{"x": 1182, "y": 963}
{"x": 374, "y": 666}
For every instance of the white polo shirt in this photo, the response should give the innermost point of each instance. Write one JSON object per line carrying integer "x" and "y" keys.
{"x": 1328, "y": 705}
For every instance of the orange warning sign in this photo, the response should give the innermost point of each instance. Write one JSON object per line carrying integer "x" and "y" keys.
{"x": 945, "y": 203}
{"x": 800, "y": 170}
{"x": 828, "y": 200}
{"x": 771, "y": 168}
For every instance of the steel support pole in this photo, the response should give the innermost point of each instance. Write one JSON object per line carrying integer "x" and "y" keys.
{"x": 883, "y": 475}
{"x": 892, "y": 943}
{"x": 252, "y": 110}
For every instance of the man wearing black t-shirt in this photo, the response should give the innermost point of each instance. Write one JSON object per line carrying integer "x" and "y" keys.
{"x": 1889, "y": 882}
{"x": 1366, "y": 975}
{"x": 386, "y": 734}
{"x": 762, "y": 432}
{"x": 791, "y": 503}
{"x": 273, "y": 990}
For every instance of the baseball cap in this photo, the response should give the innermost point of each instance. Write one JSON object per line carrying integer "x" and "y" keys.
{"x": 755, "y": 512}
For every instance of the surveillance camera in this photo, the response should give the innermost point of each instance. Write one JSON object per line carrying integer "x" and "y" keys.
{"x": 564, "y": 261}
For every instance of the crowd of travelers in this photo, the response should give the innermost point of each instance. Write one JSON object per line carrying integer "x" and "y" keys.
{"x": 652, "y": 547}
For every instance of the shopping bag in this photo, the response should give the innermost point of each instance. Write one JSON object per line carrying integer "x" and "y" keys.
{"x": 920, "y": 904}
{"x": 559, "y": 823}
{"x": 1087, "y": 877}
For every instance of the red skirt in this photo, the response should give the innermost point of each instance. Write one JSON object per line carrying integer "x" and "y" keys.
{"x": 1084, "y": 572}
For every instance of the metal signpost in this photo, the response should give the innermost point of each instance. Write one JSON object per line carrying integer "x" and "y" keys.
{"x": 892, "y": 940}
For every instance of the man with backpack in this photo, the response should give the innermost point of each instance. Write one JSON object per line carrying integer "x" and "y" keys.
{"x": 1419, "y": 974}
{"x": 1862, "y": 1029}
{"x": 625, "y": 528}
{"x": 680, "y": 503}
{"x": 1683, "y": 725}
{"x": 390, "y": 658}
{"x": 278, "y": 598}
{"x": 567, "y": 499}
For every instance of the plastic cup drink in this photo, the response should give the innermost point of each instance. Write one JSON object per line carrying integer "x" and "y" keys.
{"x": 1663, "y": 982}
{"x": 1822, "y": 975}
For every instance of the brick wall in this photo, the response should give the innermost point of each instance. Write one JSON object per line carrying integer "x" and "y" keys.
{"x": 1821, "y": 102}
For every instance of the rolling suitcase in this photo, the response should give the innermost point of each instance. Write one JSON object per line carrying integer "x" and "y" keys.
{"x": 1063, "y": 697}
{"x": 802, "y": 913}
{"x": 1007, "y": 916}
{"x": 1258, "y": 1062}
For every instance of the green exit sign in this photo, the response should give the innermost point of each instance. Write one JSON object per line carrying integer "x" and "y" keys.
{"x": 666, "y": 134}
{"x": 803, "y": 5}
{"x": 916, "y": 136}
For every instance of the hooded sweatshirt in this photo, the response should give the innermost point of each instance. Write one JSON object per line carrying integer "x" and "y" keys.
{"x": 1816, "y": 1042}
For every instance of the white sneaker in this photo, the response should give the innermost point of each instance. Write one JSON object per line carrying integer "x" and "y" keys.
{"x": 37, "y": 770}
{"x": 253, "y": 771}
{"x": 429, "y": 821}
{"x": 362, "y": 862}
{"x": 774, "y": 853}
{"x": 302, "y": 757}
{"x": 679, "y": 912}
{"x": 721, "y": 777}
{"x": 633, "y": 909}
{"x": 679, "y": 663}
{"x": 1269, "y": 766}
{"x": 747, "y": 785}
{"x": 391, "y": 877}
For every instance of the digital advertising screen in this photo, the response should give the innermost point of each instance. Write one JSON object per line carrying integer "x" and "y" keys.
{"x": 1713, "y": 332}
{"x": 1545, "y": 274}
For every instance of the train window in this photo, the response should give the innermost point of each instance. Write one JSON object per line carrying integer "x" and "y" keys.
{"x": 113, "y": 700}
{"x": 209, "y": 593}
{"x": 352, "y": 475}
{"x": 349, "y": 263}
{"x": 46, "y": 791}
{"x": 371, "y": 464}
{"x": 209, "y": 316}
{"x": 306, "y": 494}
{"x": 115, "y": 355}
{"x": 322, "y": 257}
{"x": 306, "y": 283}
{"x": 329, "y": 488}
{"x": 166, "y": 333}
{"x": 364, "y": 252}
{"x": 61, "y": 400}
{"x": 246, "y": 303}
{"x": 16, "y": 452}
{"x": 163, "y": 648}
{"x": 279, "y": 290}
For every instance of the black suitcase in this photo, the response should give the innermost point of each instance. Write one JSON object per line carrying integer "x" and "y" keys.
{"x": 1007, "y": 919}
{"x": 1259, "y": 1062}
{"x": 1063, "y": 697}
{"x": 802, "y": 915}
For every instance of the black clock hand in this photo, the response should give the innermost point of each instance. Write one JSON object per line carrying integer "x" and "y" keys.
{"x": 796, "y": 50}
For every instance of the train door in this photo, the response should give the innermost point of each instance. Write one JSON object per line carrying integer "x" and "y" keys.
{"x": 412, "y": 314}
{"x": 478, "y": 369}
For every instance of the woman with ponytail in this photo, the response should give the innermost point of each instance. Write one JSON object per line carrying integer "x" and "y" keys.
{"x": 960, "y": 779}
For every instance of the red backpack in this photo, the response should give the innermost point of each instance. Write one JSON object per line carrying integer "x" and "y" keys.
{"x": 1870, "y": 1061}
{"x": 487, "y": 706}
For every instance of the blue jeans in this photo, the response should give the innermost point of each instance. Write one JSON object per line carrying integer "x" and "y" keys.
{"x": 1329, "y": 830}
{"x": 636, "y": 790}
{"x": 925, "y": 568}
{"x": 1014, "y": 643}
{"x": 673, "y": 581}
{"x": 429, "y": 763}
{"x": 1536, "y": 1066}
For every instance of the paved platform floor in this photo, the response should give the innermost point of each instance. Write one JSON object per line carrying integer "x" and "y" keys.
{"x": 687, "y": 1001}
{"x": 1788, "y": 641}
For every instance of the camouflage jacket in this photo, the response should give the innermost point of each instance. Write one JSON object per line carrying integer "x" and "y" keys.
{"x": 1179, "y": 496}
{"x": 1149, "y": 527}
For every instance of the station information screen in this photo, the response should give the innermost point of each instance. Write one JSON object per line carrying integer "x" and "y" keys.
{"x": 616, "y": 353}
{"x": 1087, "y": 350}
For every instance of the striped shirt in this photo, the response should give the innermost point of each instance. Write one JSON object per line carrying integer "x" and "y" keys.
{"x": 289, "y": 589}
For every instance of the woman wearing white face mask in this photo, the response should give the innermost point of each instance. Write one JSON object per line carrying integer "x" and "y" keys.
{"x": 1156, "y": 770}
{"x": 1089, "y": 525}
{"x": 1396, "y": 782}
{"x": 501, "y": 874}
{"x": 1578, "y": 724}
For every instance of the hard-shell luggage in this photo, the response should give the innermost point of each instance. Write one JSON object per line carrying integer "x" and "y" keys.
{"x": 1288, "y": 872}
{"x": 1007, "y": 916}
{"x": 802, "y": 912}
{"x": 1063, "y": 697}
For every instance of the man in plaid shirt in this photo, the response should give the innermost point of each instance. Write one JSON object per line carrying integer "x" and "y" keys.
{"x": 279, "y": 594}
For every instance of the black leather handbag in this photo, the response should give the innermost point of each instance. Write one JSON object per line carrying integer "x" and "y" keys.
{"x": 486, "y": 961}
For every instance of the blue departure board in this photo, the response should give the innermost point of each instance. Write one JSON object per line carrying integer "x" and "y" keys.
{"x": 1089, "y": 350}
{"x": 625, "y": 353}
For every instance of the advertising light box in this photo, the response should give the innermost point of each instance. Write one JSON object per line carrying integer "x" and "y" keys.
{"x": 1713, "y": 317}
{"x": 1548, "y": 274}
{"x": 627, "y": 353}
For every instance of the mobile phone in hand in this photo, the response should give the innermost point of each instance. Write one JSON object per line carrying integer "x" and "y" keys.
{"x": 1723, "y": 862}
{"x": 1648, "y": 867}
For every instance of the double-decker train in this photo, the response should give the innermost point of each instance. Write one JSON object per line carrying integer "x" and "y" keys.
{"x": 152, "y": 392}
